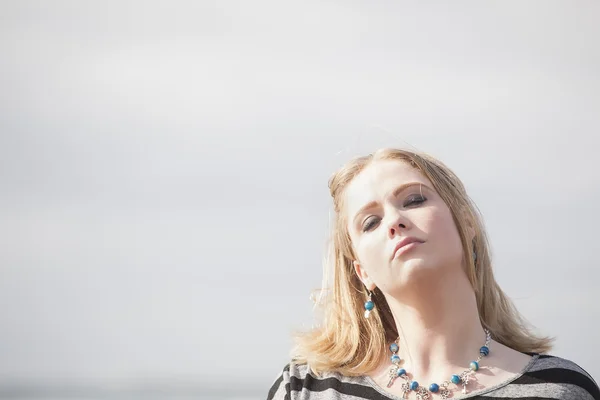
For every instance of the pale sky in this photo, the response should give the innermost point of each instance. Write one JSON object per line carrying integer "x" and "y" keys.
{"x": 163, "y": 170}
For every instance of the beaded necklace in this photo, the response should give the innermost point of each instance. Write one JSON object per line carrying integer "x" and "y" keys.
{"x": 442, "y": 389}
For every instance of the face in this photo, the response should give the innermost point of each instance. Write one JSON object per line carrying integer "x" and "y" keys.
{"x": 386, "y": 203}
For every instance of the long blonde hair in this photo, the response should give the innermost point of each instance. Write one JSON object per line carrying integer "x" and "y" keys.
{"x": 350, "y": 344}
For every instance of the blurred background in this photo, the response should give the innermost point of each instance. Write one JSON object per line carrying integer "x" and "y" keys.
{"x": 163, "y": 174}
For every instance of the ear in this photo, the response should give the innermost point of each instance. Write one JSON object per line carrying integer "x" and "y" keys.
{"x": 363, "y": 275}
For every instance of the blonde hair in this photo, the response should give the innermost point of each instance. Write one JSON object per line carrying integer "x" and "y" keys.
{"x": 350, "y": 344}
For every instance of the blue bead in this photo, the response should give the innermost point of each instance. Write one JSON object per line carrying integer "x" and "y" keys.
{"x": 433, "y": 388}
{"x": 401, "y": 372}
{"x": 395, "y": 359}
{"x": 455, "y": 379}
{"x": 484, "y": 350}
{"x": 474, "y": 365}
{"x": 414, "y": 385}
{"x": 393, "y": 347}
{"x": 369, "y": 305}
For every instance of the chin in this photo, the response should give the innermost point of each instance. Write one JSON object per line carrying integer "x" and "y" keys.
{"x": 411, "y": 261}
{"x": 417, "y": 266}
{"x": 414, "y": 275}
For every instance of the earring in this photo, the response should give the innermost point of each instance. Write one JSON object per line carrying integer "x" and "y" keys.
{"x": 369, "y": 305}
{"x": 474, "y": 253}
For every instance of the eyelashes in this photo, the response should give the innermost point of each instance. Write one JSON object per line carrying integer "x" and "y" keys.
{"x": 411, "y": 201}
{"x": 369, "y": 224}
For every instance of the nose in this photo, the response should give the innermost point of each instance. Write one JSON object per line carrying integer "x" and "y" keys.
{"x": 396, "y": 225}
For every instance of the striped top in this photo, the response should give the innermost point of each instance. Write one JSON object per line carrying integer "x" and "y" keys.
{"x": 545, "y": 377}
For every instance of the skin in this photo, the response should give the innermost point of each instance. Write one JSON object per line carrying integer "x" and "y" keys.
{"x": 426, "y": 286}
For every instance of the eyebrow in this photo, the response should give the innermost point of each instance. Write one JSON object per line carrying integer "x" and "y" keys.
{"x": 394, "y": 193}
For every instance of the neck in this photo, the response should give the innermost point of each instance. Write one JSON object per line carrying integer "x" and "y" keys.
{"x": 439, "y": 328}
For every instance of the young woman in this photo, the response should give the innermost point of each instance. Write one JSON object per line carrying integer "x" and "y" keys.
{"x": 410, "y": 307}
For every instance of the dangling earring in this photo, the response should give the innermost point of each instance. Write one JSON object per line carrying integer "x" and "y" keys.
{"x": 474, "y": 254}
{"x": 369, "y": 305}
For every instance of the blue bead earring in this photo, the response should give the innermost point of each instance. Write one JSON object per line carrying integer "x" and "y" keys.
{"x": 369, "y": 305}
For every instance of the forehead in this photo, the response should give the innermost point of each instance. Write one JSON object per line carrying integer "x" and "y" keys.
{"x": 378, "y": 180}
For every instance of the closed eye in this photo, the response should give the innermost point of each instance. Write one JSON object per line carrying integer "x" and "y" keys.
{"x": 370, "y": 223}
{"x": 415, "y": 200}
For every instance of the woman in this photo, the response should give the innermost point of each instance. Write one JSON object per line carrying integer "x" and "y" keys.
{"x": 410, "y": 305}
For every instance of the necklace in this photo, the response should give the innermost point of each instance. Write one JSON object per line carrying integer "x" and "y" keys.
{"x": 442, "y": 389}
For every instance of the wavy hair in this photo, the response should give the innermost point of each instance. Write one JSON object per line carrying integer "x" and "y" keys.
{"x": 344, "y": 341}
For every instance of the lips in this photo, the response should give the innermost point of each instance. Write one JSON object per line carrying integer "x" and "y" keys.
{"x": 404, "y": 242}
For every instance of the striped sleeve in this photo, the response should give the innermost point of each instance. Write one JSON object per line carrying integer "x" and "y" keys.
{"x": 280, "y": 390}
{"x": 550, "y": 378}
{"x": 297, "y": 382}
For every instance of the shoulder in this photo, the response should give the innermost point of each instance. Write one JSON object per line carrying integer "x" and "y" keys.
{"x": 554, "y": 377}
{"x": 295, "y": 379}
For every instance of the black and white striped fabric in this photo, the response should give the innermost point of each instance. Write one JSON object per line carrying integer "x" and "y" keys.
{"x": 545, "y": 377}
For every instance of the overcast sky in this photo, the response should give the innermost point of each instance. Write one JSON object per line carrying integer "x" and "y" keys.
{"x": 163, "y": 170}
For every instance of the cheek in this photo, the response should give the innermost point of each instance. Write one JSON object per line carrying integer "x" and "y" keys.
{"x": 370, "y": 249}
{"x": 445, "y": 231}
